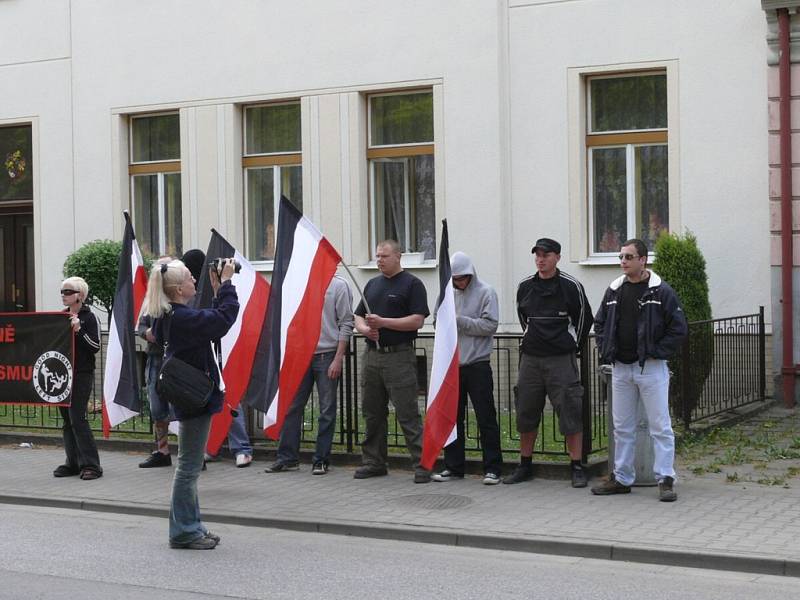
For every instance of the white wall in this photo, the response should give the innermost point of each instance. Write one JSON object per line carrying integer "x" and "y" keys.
{"x": 499, "y": 71}
{"x": 720, "y": 49}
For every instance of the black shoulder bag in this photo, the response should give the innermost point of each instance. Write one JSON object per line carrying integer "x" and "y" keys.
{"x": 186, "y": 387}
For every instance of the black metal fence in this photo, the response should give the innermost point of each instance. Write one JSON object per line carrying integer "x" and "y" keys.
{"x": 721, "y": 367}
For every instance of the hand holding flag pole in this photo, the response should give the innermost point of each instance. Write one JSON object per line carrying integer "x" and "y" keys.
{"x": 360, "y": 293}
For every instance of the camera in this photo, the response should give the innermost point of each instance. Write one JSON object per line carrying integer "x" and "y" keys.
{"x": 218, "y": 263}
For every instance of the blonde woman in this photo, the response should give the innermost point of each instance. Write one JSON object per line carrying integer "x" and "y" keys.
{"x": 79, "y": 445}
{"x": 189, "y": 334}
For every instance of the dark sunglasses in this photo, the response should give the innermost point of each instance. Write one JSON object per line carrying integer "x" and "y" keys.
{"x": 627, "y": 256}
{"x": 68, "y": 292}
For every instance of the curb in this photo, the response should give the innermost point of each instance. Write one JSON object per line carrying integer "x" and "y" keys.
{"x": 447, "y": 537}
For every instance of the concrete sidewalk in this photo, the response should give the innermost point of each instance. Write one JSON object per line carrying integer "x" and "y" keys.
{"x": 713, "y": 525}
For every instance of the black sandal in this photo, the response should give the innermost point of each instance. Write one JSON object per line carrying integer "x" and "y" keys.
{"x": 66, "y": 471}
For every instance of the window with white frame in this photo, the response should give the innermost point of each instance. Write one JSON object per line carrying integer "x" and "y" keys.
{"x": 627, "y": 151}
{"x": 272, "y": 165}
{"x": 401, "y": 170}
{"x": 155, "y": 172}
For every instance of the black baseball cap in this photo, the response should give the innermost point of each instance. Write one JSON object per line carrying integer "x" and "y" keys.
{"x": 546, "y": 245}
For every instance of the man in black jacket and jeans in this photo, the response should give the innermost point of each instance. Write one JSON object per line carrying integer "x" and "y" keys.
{"x": 640, "y": 324}
{"x": 555, "y": 317}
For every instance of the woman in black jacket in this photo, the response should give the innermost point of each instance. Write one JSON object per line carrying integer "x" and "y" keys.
{"x": 188, "y": 337}
{"x": 79, "y": 445}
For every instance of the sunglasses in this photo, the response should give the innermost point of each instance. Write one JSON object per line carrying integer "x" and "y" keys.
{"x": 627, "y": 256}
{"x": 68, "y": 292}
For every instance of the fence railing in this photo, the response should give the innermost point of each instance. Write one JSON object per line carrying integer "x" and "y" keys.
{"x": 722, "y": 366}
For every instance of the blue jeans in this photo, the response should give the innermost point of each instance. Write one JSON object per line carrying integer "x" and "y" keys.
{"x": 184, "y": 510}
{"x": 289, "y": 446}
{"x": 238, "y": 438}
{"x": 159, "y": 409}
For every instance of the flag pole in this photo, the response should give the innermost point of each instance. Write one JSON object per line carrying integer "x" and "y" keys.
{"x": 360, "y": 293}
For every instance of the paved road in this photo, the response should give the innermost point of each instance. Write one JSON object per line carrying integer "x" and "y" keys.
{"x": 63, "y": 554}
{"x": 753, "y": 529}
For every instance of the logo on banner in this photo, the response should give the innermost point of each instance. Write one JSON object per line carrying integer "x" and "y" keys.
{"x": 52, "y": 377}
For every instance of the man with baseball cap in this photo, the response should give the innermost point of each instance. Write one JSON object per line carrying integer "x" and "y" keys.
{"x": 555, "y": 317}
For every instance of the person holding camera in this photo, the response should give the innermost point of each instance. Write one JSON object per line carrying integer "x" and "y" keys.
{"x": 189, "y": 333}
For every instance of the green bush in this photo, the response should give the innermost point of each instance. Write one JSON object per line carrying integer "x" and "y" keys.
{"x": 680, "y": 263}
{"x": 98, "y": 263}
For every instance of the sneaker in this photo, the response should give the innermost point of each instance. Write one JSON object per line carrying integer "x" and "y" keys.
{"x": 579, "y": 476}
{"x": 367, "y": 471}
{"x": 665, "y": 491}
{"x": 156, "y": 459}
{"x": 210, "y": 457}
{"x": 213, "y": 536}
{"x": 282, "y": 467}
{"x": 520, "y": 474}
{"x": 66, "y": 471}
{"x": 243, "y": 460}
{"x": 320, "y": 468}
{"x": 446, "y": 475}
{"x": 202, "y": 543}
{"x": 422, "y": 475}
{"x": 491, "y": 479}
{"x": 611, "y": 486}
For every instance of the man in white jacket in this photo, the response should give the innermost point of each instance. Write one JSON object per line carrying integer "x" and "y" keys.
{"x": 477, "y": 314}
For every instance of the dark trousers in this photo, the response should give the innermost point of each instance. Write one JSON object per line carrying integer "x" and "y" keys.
{"x": 78, "y": 439}
{"x": 476, "y": 381}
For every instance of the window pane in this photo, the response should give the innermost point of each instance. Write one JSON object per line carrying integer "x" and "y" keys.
{"x": 155, "y": 138}
{"x": 145, "y": 212}
{"x": 16, "y": 178}
{"x": 610, "y": 198}
{"x": 401, "y": 119}
{"x": 424, "y": 223}
{"x": 390, "y": 201}
{"x": 625, "y": 103}
{"x": 172, "y": 215}
{"x": 292, "y": 185}
{"x": 652, "y": 194}
{"x": 270, "y": 129}
{"x": 260, "y": 214}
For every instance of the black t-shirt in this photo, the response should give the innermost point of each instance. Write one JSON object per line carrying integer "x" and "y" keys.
{"x": 628, "y": 311}
{"x": 394, "y": 297}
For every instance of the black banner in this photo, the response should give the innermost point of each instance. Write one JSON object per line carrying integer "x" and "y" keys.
{"x": 36, "y": 358}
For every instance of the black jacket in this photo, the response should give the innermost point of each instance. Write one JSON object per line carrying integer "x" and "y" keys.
{"x": 87, "y": 340}
{"x": 563, "y": 333}
{"x": 661, "y": 324}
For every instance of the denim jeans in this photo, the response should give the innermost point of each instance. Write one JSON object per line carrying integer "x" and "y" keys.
{"x": 649, "y": 385}
{"x": 159, "y": 409}
{"x": 79, "y": 444}
{"x": 238, "y": 438}
{"x": 476, "y": 381}
{"x": 288, "y": 448}
{"x": 184, "y": 511}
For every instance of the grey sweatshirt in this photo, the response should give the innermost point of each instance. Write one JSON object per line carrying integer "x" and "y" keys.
{"x": 477, "y": 313}
{"x": 337, "y": 316}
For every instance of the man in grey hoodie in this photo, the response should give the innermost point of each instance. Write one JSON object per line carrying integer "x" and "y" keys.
{"x": 477, "y": 314}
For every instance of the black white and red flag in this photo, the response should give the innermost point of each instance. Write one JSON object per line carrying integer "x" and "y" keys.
{"x": 304, "y": 264}
{"x": 238, "y": 347}
{"x": 121, "y": 397}
{"x": 442, "y": 410}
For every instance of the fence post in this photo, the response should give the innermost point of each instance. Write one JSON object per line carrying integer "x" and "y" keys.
{"x": 762, "y": 359}
{"x": 686, "y": 382}
{"x": 349, "y": 387}
{"x": 586, "y": 446}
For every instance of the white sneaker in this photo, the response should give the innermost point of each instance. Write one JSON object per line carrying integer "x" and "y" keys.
{"x": 491, "y": 479}
{"x": 210, "y": 458}
{"x": 243, "y": 460}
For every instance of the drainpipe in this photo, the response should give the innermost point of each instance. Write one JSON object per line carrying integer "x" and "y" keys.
{"x": 788, "y": 369}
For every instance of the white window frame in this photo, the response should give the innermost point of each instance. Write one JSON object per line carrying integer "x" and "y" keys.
{"x": 579, "y": 168}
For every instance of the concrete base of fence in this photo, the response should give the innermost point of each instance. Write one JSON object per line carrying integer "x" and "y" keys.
{"x": 543, "y": 469}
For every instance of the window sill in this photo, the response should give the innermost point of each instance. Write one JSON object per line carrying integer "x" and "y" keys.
{"x": 426, "y": 264}
{"x": 599, "y": 260}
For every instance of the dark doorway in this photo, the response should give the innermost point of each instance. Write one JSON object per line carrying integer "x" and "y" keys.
{"x": 17, "y": 291}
